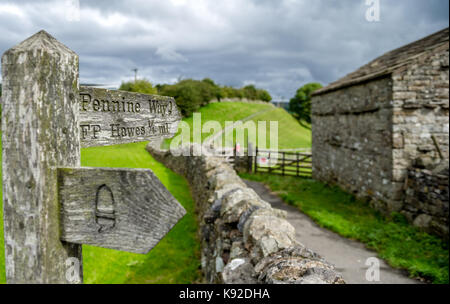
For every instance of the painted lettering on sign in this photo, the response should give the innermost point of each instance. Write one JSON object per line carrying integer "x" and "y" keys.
{"x": 110, "y": 117}
{"x": 108, "y": 105}
{"x": 163, "y": 109}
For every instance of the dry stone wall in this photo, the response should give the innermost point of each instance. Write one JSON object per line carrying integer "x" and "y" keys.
{"x": 426, "y": 201}
{"x": 244, "y": 240}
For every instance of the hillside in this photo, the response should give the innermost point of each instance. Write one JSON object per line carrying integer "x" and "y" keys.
{"x": 291, "y": 134}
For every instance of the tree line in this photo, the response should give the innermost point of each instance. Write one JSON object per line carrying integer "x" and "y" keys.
{"x": 192, "y": 94}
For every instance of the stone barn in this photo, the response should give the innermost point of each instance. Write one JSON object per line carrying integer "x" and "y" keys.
{"x": 379, "y": 130}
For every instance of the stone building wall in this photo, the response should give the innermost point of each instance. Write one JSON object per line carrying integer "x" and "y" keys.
{"x": 420, "y": 110}
{"x": 370, "y": 137}
{"x": 244, "y": 240}
{"x": 352, "y": 138}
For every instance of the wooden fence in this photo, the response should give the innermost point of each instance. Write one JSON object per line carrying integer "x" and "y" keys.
{"x": 285, "y": 163}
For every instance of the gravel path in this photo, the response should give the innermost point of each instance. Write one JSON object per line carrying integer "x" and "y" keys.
{"x": 348, "y": 256}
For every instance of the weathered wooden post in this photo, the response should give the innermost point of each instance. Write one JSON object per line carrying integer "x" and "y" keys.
{"x": 40, "y": 133}
{"x": 51, "y": 205}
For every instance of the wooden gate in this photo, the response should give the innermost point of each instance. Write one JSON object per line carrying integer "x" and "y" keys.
{"x": 283, "y": 163}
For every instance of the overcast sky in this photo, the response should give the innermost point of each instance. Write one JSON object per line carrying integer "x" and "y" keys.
{"x": 278, "y": 45}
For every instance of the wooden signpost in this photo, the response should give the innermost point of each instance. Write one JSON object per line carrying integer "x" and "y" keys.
{"x": 51, "y": 204}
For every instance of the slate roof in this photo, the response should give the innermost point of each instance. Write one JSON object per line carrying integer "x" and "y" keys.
{"x": 390, "y": 61}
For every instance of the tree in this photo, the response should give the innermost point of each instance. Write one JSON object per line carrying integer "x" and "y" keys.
{"x": 264, "y": 95}
{"x": 140, "y": 86}
{"x": 300, "y": 105}
{"x": 189, "y": 95}
{"x": 250, "y": 92}
{"x": 209, "y": 91}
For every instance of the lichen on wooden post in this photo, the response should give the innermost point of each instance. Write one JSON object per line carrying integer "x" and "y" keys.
{"x": 40, "y": 133}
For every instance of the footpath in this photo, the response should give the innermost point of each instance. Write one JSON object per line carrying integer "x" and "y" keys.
{"x": 348, "y": 256}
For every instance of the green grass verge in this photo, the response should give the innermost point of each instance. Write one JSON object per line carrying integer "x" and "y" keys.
{"x": 176, "y": 259}
{"x": 396, "y": 241}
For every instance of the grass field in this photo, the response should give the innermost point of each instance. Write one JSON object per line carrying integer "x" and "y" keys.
{"x": 396, "y": 241}
{"x": 175, "y": 259}
{"x": 290, "y": 133}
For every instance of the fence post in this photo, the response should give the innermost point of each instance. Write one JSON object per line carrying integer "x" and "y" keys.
{"x": 249, "y": 157}
{"x": 270, "y": 167}
{"x": 298, "y": 163}
{"x": 235, "y": 156}
{"x": 40, "y": 133}
{"x": 256, "y": 159}
{"x": 283, "y": 162}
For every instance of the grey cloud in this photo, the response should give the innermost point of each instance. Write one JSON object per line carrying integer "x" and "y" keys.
{"x": 278, "y": 45}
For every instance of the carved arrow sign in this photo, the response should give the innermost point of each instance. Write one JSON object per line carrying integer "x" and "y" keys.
{"x": 123, "y": 209}
{"x": 109, "y": 117}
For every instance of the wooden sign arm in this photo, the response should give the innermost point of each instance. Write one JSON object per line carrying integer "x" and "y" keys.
{"x": 124, "y": 209}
